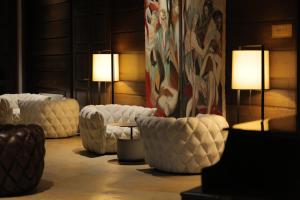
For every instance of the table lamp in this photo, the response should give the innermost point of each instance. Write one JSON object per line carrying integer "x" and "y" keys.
{"x": 249, "y": 68}
{"x": 103, "y": 69}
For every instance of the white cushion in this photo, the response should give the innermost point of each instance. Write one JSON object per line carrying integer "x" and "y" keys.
{"x": 184, "y": 145}
{"x": 9, "y": 106}
{"x": 95, "y": 122}
{"x": 58, "y": 118}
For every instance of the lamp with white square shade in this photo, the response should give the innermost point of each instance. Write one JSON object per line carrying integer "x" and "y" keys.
{"x": 247, "y": 72}
{"x": 103, "y": 69}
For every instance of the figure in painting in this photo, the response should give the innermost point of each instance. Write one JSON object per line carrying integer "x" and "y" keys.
{"x": 203, "y": 58}
{"x": 161, "y": 21}
{"x": 201, "y": 88}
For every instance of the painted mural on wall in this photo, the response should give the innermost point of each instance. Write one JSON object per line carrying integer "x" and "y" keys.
{"x": 204, "y": 56}
{"x": 162, "y": 55}
{"x": 185, "y": 56}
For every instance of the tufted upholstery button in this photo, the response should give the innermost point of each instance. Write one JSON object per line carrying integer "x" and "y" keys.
{"x": 183, "y": 145}
{"x": 96, "y": 129}
{"x": 21, "y": 158}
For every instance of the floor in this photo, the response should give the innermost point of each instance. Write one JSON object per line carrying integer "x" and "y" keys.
{"x": 72, "y": 173}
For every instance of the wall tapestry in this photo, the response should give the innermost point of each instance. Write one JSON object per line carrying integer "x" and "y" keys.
{"x": 162, "y": 56}
{"x": 185, "y": 56}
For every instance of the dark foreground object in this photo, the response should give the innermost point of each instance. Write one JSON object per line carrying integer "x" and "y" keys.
{"x": 22, "y": 152}
{"x": 258, "y": 163}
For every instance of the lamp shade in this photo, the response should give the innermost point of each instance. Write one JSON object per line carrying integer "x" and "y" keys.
{"x": 102, "y": 67}
{"x": 246, "y": 69}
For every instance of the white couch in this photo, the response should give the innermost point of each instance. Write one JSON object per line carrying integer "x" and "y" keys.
{"x": 183, "y": 145}
{"x": 98, "y": 128}
{"x": 9, "y": 108}
{"x": 59, "y": 118}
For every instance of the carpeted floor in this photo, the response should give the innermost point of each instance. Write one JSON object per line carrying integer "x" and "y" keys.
{"x": 71, "y": 173}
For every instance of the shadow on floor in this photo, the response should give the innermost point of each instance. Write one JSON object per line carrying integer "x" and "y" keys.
{"x": 157, "y": 172}
{"x": 117, "y": 162}
{"x": 83, "y": 152}
{"x": 86, "y": 153}
{"x": 43, "y": 186}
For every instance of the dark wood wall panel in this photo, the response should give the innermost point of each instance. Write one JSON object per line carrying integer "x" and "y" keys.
{"x": 55, "y": 12}
{"x": 8, "y": 46}
{"x": 132, "y": 19}
{"x": 48, "y": 44}
{"x": 263, "y": 10}
{"x": 52, "y": 2}
{"x": 129, "y": 42}
{"x": 128, "y": 39}
{"x": 55, "y": 29}
{"x": 52, "y": 63}
{"x": 259, "y": 33}
{"x": 127, "y": 6}
{"x": 91, "y": 33}
{"x": 53, "y": 46}
{"x": 250, "y": 22}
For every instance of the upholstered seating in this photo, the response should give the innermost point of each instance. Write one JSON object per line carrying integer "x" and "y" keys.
{"x": 21, "y": 158}
{"x": 98, "y": 125}
{"x": 59, "y": 117}
{"x": 184, "y": 145}
{"x": 9, "y": 108}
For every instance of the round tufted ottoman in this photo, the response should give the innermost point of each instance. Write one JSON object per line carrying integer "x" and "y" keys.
{"x": 183, "y": 145}
{"x": 22, "y": 154}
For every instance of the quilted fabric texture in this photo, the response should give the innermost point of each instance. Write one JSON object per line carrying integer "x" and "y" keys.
{"x": 58, "y": 118}
{"x": 9, "y": 109}
{"x": 97, "y": 131}
{"x": 21, "y": 158}
{"x": 183, "y": 145}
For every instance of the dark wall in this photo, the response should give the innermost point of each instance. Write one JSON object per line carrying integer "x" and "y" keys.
{"x": 91, "y": 34}
{"x": 128, "y": 39}
{"x": 8, "y": 46}
{"x": 250, "y": 22}
{"x": 62, "y": 35}
{"x": 48, "y": 46}
{"x": 128, "y": 26}
{"x": 104, "y": 25}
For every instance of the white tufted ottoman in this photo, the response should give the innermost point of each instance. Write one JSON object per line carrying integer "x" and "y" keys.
{"x": 58, "y": 118}
{"x": 184, "y": 145}
{"x": 9, "y": 108}
{"x": 98, "y": 128}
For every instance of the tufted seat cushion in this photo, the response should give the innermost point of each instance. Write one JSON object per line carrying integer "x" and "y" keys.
{"x": 21, "y": 158}
{"x": 9, "y": 109}
{"x": 98, "y": 128}
{"x": 58, "y": 118}
{"x": 183, "y": 145}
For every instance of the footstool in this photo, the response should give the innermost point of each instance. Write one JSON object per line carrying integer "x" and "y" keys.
{"x": 22, "y": 154}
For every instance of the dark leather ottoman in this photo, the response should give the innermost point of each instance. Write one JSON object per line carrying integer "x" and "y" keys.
{"x": 22, "y": 152}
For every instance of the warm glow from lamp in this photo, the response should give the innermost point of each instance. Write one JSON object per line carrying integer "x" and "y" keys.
{"x": 102, "y": 67}
{"x": 246, "y": 70}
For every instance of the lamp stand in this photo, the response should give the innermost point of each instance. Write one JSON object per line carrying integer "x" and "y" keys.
{"x": 262, "y": 86}
{"x": 105, "y": 91}
{"x": 99, "y": 92}
{"x": 238, "y": 105}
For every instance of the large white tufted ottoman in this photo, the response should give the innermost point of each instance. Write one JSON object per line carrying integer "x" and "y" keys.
{"x": 184, "y": 145}
{"x": 9, "y": 108}
{"x": 58, "y": 118}
{"x": 98, "y": 125}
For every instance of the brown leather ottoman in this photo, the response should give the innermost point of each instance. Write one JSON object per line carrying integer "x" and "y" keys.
{"x": 22, "y": 154}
